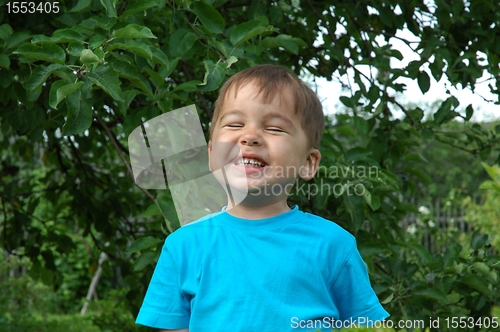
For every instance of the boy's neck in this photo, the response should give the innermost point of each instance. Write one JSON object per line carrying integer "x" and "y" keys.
{"x": 259, "y": 211}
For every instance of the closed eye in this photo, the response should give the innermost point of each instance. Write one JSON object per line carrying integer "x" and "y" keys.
{"x": 277, "y": 130}
{"x": 234, "y": 125}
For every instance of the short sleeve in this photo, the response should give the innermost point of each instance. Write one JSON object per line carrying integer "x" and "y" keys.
{"x": 355, "y": 298}
{"x": 165, "y": 306}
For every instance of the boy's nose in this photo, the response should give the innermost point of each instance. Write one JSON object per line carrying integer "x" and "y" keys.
{"x": 250, "y": 138}
{"x": 249, "y": 141}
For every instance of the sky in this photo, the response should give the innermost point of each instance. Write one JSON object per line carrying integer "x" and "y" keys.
{"x": 329, "y": 92}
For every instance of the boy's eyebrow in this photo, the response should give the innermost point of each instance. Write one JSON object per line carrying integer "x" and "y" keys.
{"x": 281, "y": 117}
{"x": 268, "y": 115}
{"x": 233, "y": 112}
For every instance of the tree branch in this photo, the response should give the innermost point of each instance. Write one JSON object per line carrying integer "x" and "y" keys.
{"x": 112, "y": 138}
{"x": 405, "y": 111}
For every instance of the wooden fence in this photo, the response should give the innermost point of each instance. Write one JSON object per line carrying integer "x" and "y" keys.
{"x": 439, "y": 222}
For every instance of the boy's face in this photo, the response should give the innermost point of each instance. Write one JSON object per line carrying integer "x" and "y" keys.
{"x": 274, "y": 149}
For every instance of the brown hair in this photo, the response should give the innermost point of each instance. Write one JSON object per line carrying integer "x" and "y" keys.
{"x": 271, "y": 80}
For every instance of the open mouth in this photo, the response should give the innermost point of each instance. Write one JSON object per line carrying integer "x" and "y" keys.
{"x": 252, "y": 162}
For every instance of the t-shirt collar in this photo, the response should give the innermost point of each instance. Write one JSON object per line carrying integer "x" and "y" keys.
{"x": 288, "y": 217}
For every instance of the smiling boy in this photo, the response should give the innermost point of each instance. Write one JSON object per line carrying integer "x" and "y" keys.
{"x": 260, "y": 265}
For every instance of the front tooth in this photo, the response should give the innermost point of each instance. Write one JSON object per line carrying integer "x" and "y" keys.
{"x": 246, "y": 161}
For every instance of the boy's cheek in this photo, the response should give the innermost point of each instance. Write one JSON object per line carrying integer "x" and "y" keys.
{"x": 222, "y": 154}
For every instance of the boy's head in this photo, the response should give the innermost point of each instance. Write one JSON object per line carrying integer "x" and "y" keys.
{"x": 265, "y": 132}
{"x": 273, "y": 80}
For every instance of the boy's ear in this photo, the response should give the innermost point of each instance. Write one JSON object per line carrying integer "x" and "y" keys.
{"x": 311, "y": 165}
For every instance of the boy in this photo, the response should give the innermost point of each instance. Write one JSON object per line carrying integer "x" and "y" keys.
{"x": 259, "y": 265}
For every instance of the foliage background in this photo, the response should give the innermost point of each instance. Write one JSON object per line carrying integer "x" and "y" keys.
{"x": 76, "y": 83}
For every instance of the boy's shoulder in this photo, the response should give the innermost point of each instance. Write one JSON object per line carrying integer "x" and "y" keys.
{"x": 327, "y": 228}
{"x": 195, "y": 228}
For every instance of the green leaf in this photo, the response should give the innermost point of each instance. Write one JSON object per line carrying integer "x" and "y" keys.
{"x": 144, "y": 260}
{"x": 497, "y": 129}
{"x": 110, "y": 6}
{"x": 80, "y": 114}
{"x": 187, "y": 86}
{"x": 39, "y": 76}
{"x": 370, "y": 249}
{"x": 485, "y": 153}
{"x": 63, "y": 91}
{"x": 245, "y": 31}
{"x": 477, "y": 283}
{"x": 372, "y": 200}
{"x": 100, "y": 54}
{"x": 355, "y": 207}
{"x": 348, "y": 101}
{"x": 167, "y": 208}
{"x": 287, "y": 43}
{"x": 126, "y": 70}
{"x": 209, "y": 17}
{"x": 5, "y": 31}
{"x": 87, "y": 56}
{"x": 493, "y": 171}
{"x": 421, "y": 251}
{"x": 144, "y": 85}
{"x": 221, "y": 48}
{"x": 181, "y": 41}
{"x": 134, "y": 46}
{"x": 137, "y": 7}
{"x": 134, "y": 31}
{"x": 451, "y": 254}
{"x": 15, "y": 39}
{"x": 60, "y": 36}
{"x": 269, "y": 42}
{"x": 96, "y": 41}
{"x": 433, "y": 294}
{"x": 229, "y": 61}
{"x": 153, "y": 209}
{"x": 361, "y": 125}
{"x": 444, "y": 111}
{"x": 441, "y": 114}
{"x": 104, "y": 22}
{"x": 159, "y": 57}
{"x": 107, "y": 79}
{"x": 385, "y": 16}
{"x": 4, "y": 61}
{"x": 45, "y": 51}
{"x": 75, "y": 49}
{"x": 123, "y": 107}
{"x": 469, "y": 111}
{"x": 357, "y": 153}
{"x": 214, "y": 75}
{"x": 484, "y": 269}
{"x": 478, "y": 240}
{"x": 424, "y": 81}
{"x": 427, "y": 133}
{"x": 143, "y": 243}
{"x": 80, "y": 5}
{"x": 53, "y": 92}
{"x": 388, "y": 299}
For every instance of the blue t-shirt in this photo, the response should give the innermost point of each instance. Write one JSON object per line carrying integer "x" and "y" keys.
{"x": 292, "y": 272}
